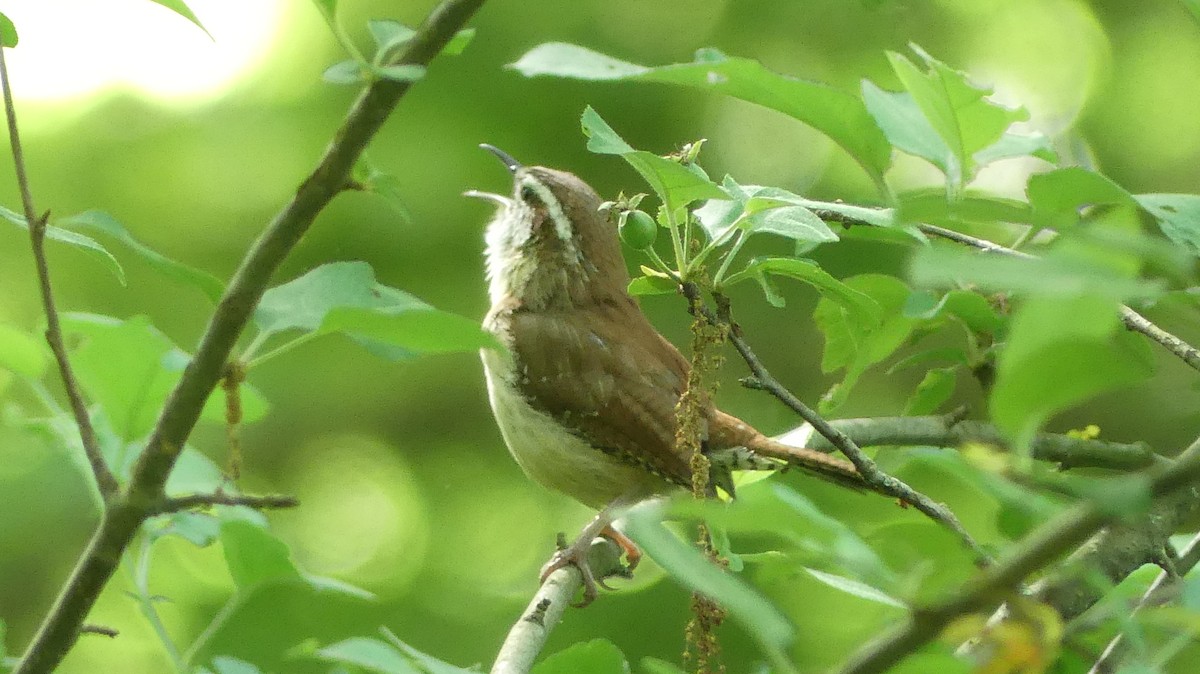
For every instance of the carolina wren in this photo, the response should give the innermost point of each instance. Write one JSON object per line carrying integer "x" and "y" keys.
{"x": 585, "y": 397}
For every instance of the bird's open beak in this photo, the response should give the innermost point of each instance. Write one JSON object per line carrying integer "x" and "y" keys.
{"x": 511, "y": 164}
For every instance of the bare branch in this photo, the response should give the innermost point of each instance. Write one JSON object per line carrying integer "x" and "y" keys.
{"x": 126, "y": 513}
{"x": 105, "y": 481}
{"x": 528, "y": 635}
{"x": 991, "y": 586}
{"x": 258, "y": 502}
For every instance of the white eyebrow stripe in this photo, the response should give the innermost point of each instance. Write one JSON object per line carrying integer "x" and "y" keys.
{"x": 562, "y": 225}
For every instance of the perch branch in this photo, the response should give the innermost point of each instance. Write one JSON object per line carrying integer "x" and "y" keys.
{"x": 120, "y": 523}
{"x": 105, "y": 481}
{"x": 528, "y": 635}
{"x": 874, "y": 477}
{"x": 991, "y": 586}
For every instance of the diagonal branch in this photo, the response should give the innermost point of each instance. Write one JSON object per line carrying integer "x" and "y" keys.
{"x": 105, "y": 481}
{"x": 991, "y": 586}
{"x": 121, "y": 521}
{"x": 874, "y": 477}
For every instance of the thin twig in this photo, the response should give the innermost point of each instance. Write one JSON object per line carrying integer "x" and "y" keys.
{"x": 992, "y": 585}
{"x": 105, "y": 481}
{"x": 125, "y": 514}
{"x": 102, "y": 630}
{"x": 871, "y": 474}
{"x": 1132, "y": 319}
{"x": 258, "y": 502}
{"x": 528, "y": 635}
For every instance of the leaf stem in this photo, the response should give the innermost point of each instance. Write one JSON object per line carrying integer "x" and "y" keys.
{"x": 141, "y": 583}
{"x": 733, "y": 251}
{"x": 281, "y": 349}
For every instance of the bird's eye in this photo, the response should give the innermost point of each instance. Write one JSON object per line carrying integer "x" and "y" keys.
{"x": 528, "y": 193}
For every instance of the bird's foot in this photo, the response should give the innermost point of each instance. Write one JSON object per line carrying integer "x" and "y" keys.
{"x": 577, "y": 555}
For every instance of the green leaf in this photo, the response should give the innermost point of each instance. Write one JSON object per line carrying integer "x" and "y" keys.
{"x": 675, "y": 184}
{"x": 934, "y": 207}
{"x": 935, "y": 388}
{"x": 856, "y": 588}
{"x": 68, "y": 237}
{"x": 835, "y": 113}
{"x": 328, "y": 8}
{"x": 181, "y": 8}
{"x": 254, "y": 556}
{"x": 959, "y": 112}
{"x": 693, "y": 570}
{"x": 223, "y": 664}
{"x": 129, "y": 368}
{"x": 1178, "y": 216}
{"x": 425, "y": 662}
{"x": 8, "y": 32}
{"x": 656, "y": 666}
{"x": 754, "y": 208}
{"x": 652, "y": 285}
{"x": 198, "y": 528}
{"x": 1052, "y": 275}
{"x": 414, "y": 331}
{"x": 303, "y": 303}
{"x": 345, "y": 72}
{"x": 210, "y": 285}
{"x": 21, "y": 353}
{"x": 973, "y": 309}
{"x": 1062, "y": 351}
{"x": 905, "y": 127}
{"x": 371, "y": 654}
{"x": 861, "y": 309}
{"x": 1017, "y": 145}
{"x": 850, "y": 344}
{"x": 372, "y": 179}
{"x": 389, "y": 36}
{"x": 597, "y": 656}
{"x": 459, "y": 42}
{"x": 1057, "y": 196}
{"x": 400, "y": 73}
{"x": 795, "y": 527}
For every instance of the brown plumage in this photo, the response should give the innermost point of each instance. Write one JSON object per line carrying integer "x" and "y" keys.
{"x": 584, "y": 358}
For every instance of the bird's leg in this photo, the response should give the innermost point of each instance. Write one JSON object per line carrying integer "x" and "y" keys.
{"x": 576, "y": 554}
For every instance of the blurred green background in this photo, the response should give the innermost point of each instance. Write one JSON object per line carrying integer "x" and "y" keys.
{"x": 406, "y": 487}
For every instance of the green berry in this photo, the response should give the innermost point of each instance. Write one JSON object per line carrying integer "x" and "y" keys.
{"x": 638, "y": 230}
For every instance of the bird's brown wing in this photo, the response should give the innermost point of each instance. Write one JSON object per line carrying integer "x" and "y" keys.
{"x": 607, "y": 375}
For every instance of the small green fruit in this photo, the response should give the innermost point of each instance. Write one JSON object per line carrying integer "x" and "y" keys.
{"x": 638, "y": 230}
